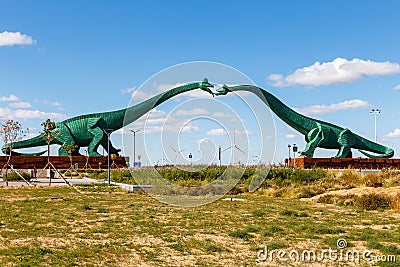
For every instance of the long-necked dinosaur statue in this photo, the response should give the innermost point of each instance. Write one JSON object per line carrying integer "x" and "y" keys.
{"x": 89, "y": 130}
{"x": 317, "y": 133}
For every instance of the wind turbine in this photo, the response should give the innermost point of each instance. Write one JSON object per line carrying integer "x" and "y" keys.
{"x": 177, "y": 152}
{"x": 234, "y": 146}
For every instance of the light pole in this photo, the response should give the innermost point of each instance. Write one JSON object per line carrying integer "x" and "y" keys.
{"x": 134, "y": 145}
{"x": 289, "y": 146}
{"x": 108, "y": 133}
{"x": 87, "y": 158}
{"x": 219, "y": 155}
{"x": 375, "y": 112}
{"x": 294, "y": 154}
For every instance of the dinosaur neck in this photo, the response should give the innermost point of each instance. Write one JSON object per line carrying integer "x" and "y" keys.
{"x": 120, "y": 118}
{"x": 297, "y": 121}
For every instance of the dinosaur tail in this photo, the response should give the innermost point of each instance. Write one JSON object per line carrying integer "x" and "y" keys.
{"x": 28, "y": 154}
{"x": 31, "y": 142}
{"x": 388, "y": 154}
{"x": 380, "y": 150}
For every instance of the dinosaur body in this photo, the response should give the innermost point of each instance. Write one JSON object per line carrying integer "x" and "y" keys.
{"x": 317, "y": 133}
{"x": 89, "y": 130}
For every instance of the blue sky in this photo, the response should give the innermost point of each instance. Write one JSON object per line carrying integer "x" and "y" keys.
{"x": 60, "y": 59}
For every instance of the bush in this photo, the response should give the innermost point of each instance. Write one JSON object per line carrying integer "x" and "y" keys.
{"x": 290, "y": 213}
{"x": 395, "y": 202}
{"x": 350, "y": 178}
{"x": 373, "y": 180}
{"x": 240, "y": 234}
{"x": 372, "y": 202}
{"x": 15, "y": 177}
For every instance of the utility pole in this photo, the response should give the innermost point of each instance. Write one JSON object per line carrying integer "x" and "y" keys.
{"x": 294, "y": 154}
{"x": 375, "y": 112}
{"x": 219, "y": 155}
{"x": 134, "y": 146}
{"x": 108, "y": 133}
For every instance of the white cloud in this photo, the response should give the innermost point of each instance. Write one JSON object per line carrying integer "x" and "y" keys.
{"x": 394, "y": 134}
{"x": 291, "y": 136}
{"x": 15, "y": 38}
{"x": 158, "y": 121}
{"x": 345, "y": 105}
{"x": 19, "y": 105}
{"x": 167, "y": 86}
{"x": 340, "y": 70}
{"x": 129, "y": 90}
{"x": 231, "y": 117}
{"x": 222, "y": 132}
{"x": 8, "y": 98}
{"x": 6, "y": 114}
{"x": 203, "y": 140}
{"x": 50, "y": 103}
{"x": 397, "y": 87}
{"x": 136, "y": 93}
{"x": 193, "y": 112}
{"x": 216, "y": 132}
{"x": 244, "y": 132}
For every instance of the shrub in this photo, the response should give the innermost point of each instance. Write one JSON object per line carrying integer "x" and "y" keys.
{"x": 395, "y": 202}
{"x": 350, "y": 178}
{"x": 15, "y": 177}
{"x": 373, "y": 180}
{"x": 258, "y": 213}
{"x": 290, "y": 213}
{"x": 272, "y": 229}
{"x": 240, "y": 234}
{"x": 212, "y": 248}
{"x": 372, "y": 202}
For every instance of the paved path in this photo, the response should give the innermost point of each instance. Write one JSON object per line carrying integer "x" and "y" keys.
{"x": 54, "y": 182}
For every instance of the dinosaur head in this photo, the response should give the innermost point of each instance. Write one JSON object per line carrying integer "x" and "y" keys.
{"x": 204, "y": 85}
{"x": 223, "y": 90}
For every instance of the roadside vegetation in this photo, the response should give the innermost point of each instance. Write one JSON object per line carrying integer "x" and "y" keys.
{"x": 282, "y": 182}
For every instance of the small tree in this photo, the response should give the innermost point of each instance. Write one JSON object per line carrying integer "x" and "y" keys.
{"x": 49, "y": 133}
{"x": 70, "y": 149}
{"x": 11, "y": 132}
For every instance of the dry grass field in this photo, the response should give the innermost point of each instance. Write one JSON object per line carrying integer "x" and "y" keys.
{"x": 105, "y": 226}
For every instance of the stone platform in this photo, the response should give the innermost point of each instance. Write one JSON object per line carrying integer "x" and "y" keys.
{"x": 63, "y": 162}
{"x": 354, "y": 163}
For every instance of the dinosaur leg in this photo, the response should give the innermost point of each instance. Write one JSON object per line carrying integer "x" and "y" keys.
{"x": 346, "y": 141}
{"x": 113, "y": 150}
{"x": 344, "y": 152}
{"x": 65, "y": 138}
{"x": 315, "y": 136}
{"x": 98, "y": 136}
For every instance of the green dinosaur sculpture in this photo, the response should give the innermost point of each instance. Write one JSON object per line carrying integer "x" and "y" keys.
{"x": 89, "y": 130}
{"x": 317, "y": 133}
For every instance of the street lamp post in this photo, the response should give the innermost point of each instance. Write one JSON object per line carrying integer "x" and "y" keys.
{"x": 375, "y": 112}
{"x": 219, "y": 155}
{"x": 289, "y": 146}
{"x": 108, "y": 133}
{"x": 294, "y": 154}
{"x": 87, "y": 158}
{"x": 134, "y": 145}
